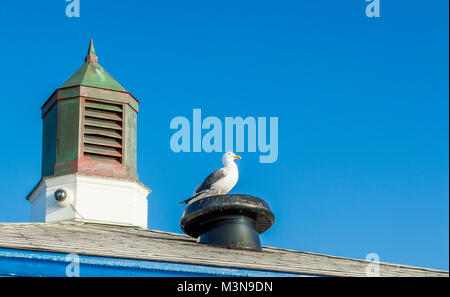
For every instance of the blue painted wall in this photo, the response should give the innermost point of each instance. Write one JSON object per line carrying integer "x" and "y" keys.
{"x": 37, "y": 263}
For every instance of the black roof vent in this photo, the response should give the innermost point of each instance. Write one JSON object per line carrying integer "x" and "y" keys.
{"x": 233, "y": 221}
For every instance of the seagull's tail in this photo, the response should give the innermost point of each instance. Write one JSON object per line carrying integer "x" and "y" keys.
{"x": 189, "y": 199}
{"x": 185, "y": 201}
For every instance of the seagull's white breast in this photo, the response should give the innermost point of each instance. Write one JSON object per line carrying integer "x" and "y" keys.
{"x": 227, "y": 183}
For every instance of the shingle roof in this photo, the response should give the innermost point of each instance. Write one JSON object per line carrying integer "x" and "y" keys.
{"x": 143, "y": 244}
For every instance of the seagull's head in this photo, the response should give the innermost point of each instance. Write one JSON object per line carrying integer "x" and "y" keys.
{"x": 229, "y": 157}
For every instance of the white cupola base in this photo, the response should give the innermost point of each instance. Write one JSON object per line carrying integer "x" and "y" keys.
{"x": 91, "y": 199}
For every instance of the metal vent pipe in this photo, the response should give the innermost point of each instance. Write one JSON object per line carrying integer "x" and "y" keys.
{"x": 233, "y": 221}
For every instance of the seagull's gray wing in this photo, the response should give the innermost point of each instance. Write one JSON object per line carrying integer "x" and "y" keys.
{"x": 206, "y": 185}
{"x": 210, "y": 180}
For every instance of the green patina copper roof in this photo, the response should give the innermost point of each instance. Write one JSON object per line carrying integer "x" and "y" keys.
{"x": 91, "y": 74}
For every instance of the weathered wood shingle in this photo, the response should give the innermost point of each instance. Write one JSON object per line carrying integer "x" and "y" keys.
{"x": 144, "y": 244}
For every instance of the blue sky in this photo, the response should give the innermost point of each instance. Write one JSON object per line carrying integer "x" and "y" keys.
{"x": 362, "y": 105}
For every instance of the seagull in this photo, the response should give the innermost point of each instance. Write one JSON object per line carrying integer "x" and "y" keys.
{"x": 220, "y": 181}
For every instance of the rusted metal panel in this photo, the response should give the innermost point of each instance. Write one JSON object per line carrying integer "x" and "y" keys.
{"x": 102, "y": 166}
{"x": 49, "y": 142}
{"x": 48, "y": 104}
{"x": 130, "y": 140}
{"x": 67, "y": 139}
{"x": 68, "y": 93}
{"x": 62, "y": 168}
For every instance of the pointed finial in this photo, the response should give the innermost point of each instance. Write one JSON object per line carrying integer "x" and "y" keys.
{"x": 91, "y": 57}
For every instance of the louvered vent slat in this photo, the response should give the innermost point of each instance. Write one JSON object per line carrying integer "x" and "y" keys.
{"x": 103, "y": 123}
{"x": 103, "y": 131}
{"x": 102, "y": 150}
{"x": 104, "y": 106}
{"x": 95, "y": 113}
{"x": 103, "y": 141}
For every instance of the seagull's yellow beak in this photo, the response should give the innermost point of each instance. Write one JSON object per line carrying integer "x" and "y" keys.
{"x": 237, "y": 157}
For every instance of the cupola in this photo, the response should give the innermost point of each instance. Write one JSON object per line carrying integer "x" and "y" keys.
{"x": 89, "y": 149}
